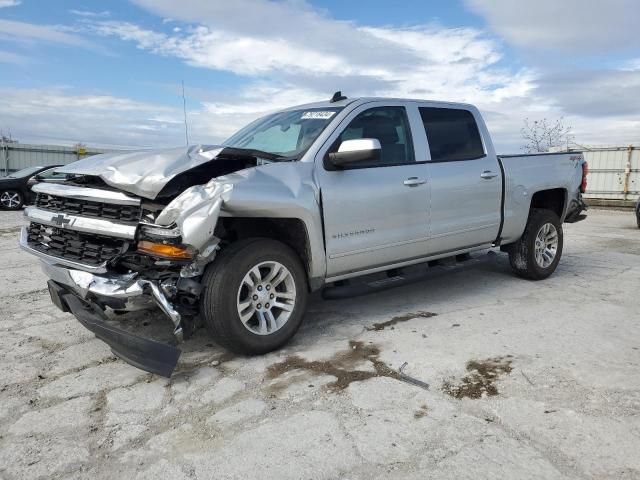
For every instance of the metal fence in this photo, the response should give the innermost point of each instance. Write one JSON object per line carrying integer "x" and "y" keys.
{"x": 16, "y": 156}
{"x": 614, "y": 174}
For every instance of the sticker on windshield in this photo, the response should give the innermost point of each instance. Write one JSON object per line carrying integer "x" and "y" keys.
{"x": 321, "y": 115}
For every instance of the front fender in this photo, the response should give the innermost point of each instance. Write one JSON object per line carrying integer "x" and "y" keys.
{"x": 274, "y": 190}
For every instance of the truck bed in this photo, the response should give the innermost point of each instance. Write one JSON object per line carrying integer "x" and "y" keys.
{"x": 526, "y": 173}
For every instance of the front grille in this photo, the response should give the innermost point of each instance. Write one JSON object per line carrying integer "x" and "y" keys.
{"x": 88, "y": 208}
{"x": 79, "y": 247}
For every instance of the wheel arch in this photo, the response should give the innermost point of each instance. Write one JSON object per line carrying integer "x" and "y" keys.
{"x": 291, "y": 231}
{"x": 554, "y": 199}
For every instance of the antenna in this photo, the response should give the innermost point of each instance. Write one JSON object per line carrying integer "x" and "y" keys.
{"x": 337, "y": 97}
{"x": 184, "y": 109}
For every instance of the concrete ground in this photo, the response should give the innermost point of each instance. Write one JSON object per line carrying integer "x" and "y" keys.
{"x": 535, "y": 380}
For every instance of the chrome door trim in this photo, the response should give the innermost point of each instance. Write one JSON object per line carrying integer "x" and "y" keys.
{"x": 465, "y": 230}
{"x": 88, "y": 194}
{"x": 416, "y": 240}
{"x": 98, "y": 226}
{"x": 379, "y": 247}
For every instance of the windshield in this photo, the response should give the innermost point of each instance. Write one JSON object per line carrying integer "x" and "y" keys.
{"x": 288, "y": 134}
{"x": 25, "y": 172}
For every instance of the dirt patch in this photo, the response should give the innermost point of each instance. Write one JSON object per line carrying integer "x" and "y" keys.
{"x": 623, "y": 245}
{"x": 400, "y": 318}
{"x": 480, "y": 380}
{"x": 421, "y": 412}
{"x": 10, "y": 230}
{"x": 341, "y": 366}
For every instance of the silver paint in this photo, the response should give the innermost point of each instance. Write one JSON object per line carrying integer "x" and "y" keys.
{"x": 450, "y": 207}
{"x": 146, "y": 172}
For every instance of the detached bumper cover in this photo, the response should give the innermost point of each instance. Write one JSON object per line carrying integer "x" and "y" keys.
{"x": 149, "y": 355}
{"x": 574, "y": 212}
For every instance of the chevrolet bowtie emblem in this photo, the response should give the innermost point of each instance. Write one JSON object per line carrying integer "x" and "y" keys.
{"x": 60, "y": 220}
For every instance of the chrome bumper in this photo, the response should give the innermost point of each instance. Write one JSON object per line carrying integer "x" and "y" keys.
{"x": 132, "y": 292}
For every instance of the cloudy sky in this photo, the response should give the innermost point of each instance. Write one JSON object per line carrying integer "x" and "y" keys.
{"x": 109, "y": 73}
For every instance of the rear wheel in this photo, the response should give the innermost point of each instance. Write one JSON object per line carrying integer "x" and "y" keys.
{"x": 254, "y": 296}
{"x": 11, "y": 199}
{"x": 536, "y": 254}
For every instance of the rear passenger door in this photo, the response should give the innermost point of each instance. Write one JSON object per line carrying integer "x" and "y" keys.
{"x": 465, "y": 179}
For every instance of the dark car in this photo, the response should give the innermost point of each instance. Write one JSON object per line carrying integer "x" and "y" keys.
{"x": 15, "y": 189}
{"x": 638, "y": 212}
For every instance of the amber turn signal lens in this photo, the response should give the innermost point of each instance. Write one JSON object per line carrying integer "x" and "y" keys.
{"x": 165, "y": 251}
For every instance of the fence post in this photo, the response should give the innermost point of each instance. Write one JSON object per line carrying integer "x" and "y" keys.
{"x": 627, "y": 172}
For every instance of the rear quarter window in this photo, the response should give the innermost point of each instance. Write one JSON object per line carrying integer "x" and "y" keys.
{"x": 452, "y": 134}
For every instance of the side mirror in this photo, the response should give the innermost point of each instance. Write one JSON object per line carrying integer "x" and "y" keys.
{"x": 353, "y": 151}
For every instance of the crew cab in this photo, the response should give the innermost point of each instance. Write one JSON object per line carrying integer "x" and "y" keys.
{"x": 302, "y": 199}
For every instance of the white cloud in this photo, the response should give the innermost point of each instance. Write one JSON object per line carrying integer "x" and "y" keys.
{"x": 11, "y": 57}
{"x": 633, "y": 64}
{"x": 422, "y": 62}
{"x": 425, "y": 60}
{"x": 21, "y": 31}
{"x": 9, "y": 3}
{"x": 89, "y": 13}
{"x": 595, "y": 94}
{"x": 577, "y": 26}
{"x": 58, "y": 114}
{"x": 289, "y": 53}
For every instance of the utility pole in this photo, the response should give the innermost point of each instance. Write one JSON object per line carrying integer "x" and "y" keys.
{"x": 184, "y": 109}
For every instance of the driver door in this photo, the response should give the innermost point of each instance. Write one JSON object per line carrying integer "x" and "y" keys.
{"x": 375, "y": 213}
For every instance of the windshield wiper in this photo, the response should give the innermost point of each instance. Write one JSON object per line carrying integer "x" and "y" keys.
{"x": 251, "y": 152}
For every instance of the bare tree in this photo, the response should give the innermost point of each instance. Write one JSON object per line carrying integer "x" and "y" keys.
{"x": 542, "y": 135}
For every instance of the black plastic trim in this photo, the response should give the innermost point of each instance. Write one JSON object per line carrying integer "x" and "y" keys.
{"x": 539, "y": 154}
{"x": 145, "y": 354}
{"x": 498, "y": 239}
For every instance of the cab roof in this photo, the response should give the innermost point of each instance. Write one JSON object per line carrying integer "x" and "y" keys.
{"x": 361, "y": 100}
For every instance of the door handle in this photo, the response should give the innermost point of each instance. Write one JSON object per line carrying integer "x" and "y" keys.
{"x": 414, "y": 181}
{"x": 488, "y": 174}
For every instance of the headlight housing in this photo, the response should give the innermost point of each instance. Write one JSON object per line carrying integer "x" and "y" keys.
{"x": 164, "y": 250}
{"x": 164, "y": 242}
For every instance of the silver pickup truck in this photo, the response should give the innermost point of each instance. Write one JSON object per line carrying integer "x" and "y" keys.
{"x": 238, "y": 235}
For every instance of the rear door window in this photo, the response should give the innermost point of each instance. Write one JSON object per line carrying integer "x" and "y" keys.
{"x": 452, "y": 133}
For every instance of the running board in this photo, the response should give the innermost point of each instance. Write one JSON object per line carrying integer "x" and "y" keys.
{"x": 398, "y": 278}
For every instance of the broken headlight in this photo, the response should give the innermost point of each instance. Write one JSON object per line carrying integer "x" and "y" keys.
{"x": 164, "y": 242}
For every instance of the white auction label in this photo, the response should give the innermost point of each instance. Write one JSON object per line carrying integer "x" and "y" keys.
{"x": 322, "y": 115}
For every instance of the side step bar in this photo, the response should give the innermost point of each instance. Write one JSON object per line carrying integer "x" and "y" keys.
{"x": 398, "y": 278}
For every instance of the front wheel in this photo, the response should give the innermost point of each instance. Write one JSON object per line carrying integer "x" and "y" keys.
{"x": 11, "y": 200}
{"x": 254, "y": 296}
{"x": 536, "y": 254}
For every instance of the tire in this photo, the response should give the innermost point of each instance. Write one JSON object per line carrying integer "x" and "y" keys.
{"x": 11, "y": 200}
{"x": 523, "y": 254}
{"x": 225, "y": 291}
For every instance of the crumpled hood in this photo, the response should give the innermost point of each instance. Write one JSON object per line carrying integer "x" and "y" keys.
{"x": 146, "y": 172}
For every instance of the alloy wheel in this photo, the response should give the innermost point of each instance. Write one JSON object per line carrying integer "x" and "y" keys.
{"x": 10, "y": 199}
{"x": 266, "y": 298}
{"x": 546, "y": 245}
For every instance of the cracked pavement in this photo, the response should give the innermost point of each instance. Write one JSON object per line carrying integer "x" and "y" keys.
{"x": 536, "y": 380}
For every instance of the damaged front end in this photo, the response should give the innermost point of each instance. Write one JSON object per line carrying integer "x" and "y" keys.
{"x": 107, "y": 251}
